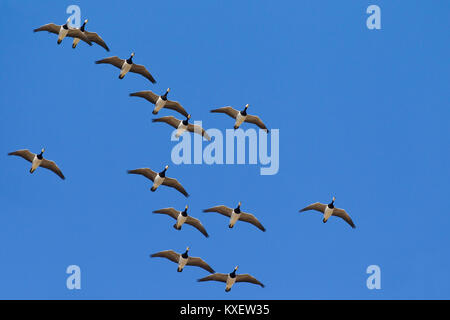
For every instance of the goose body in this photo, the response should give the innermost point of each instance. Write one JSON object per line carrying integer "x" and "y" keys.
{"x": 159, "y": 179}
{"x": 235, "y": 215}
{"x": 181, "y": 218}
{"x": 182, "y": 126}
{"x": 63, "y": 31}
{"x": 127, "y": 65}
{"x": 183, "y": 260}
{"x": 329, "y": 210}
{"x": 231, "y": 278}
{"x": 37, "y": 160}
{"x": 241, "y": 117}
{"x": 160, "y": 101}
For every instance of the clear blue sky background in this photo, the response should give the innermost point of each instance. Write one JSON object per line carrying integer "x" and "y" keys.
{"x": 363, "y": 115}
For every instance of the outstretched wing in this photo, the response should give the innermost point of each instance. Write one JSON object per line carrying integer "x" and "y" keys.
{"x": 115, "y": 61}
{"x": 175, "y": 105}
{"x": 256, "y": 120}
{"x": 150, "y": 96}
{"x": 50, "y": 27}
{"x": 47, "y": 164}
{"x": 171, "y": 182}
{"x": 220, "y": 209}
{"x": 227, "y": 110}
{"x": 25, "y": 153}
{"x": 197, "y": 224}
{"x": 77, "y": 33}
{"x": 247, "y": 217}
{"x": 146, "y": 172}
{"x": 168, "y": 254}
{"x": 194, "y": 261}
{"x": 315, "y": 206}
{"x": 341, "y": 213}
{"x": 94, "y": 37}
{"x": 248, "y": 278}
{"x": 137, "y": 68}
{"x": 199, "y": 130}
{"x": 170, "y": 120}
{"x": 222, "y": 277}
{"x": 169, "y": 211}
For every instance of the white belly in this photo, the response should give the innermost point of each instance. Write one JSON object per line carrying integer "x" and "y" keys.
{"x": 35, "y": 164}
{"x": 160, "y": 103}
{"x": 181, "y": 220}
{"x": 230, "y": 282}
{"x": 239, "y": 119}
{"x": 181, "y": 128}
{"x": 158, "y": 181}
{"x": 327, "y": 214}
{"x": 234, "y": 218}
{"x": 62, "y": 33}
{"x": 125, "y": 68}
{"x": 182, "y": 262}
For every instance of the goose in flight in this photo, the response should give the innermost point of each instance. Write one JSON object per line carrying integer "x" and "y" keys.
{"x": 183, "y": 125}
{"x": 241, "y": 116}
{"x": 92, "y": 36}
{"x": 160, "y": 101}
{"x": 329, "y": 210}
{"x": 182, "y": 217}
{"x": 231, "y": 278}
{"x": 183, "y": 260}
{"x": 159, "y": 179}
{"x": 37, "y": 160}
{"x": 127, "y": 65}
{"x": 64, "y": 31}
{"x": 235, "y": 215}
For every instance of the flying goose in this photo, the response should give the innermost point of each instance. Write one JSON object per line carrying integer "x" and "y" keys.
{"x": 64, "y": 31}
{"x": 126, "y": 65}
{"x": 159, "y": 179}
{"x": 231, "y": 278}
{"x": 235, "y": 215}
{"x": 183, "y": 125}
{"x": 37, "y": 160}
{"x": 329, "y": 210}
{"x": 241, "y": 116}
{"x": 183, "y": 260}
{"x": 92, "y": 36}
{"x": 182, "y": 217}
{"x": 160, "y": 101}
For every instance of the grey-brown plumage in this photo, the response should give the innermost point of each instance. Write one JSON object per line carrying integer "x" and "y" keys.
{"x": 320, "y": 207}
{"x": 236, "y": 215}
{"x": 92, "y": 36}
{"x": 153, "y": 176}
{"x": 183, "y": 126}
{"x": 153, "y": 98}
{"x": 37, "y": 160}
{"x": 119, "y": 63}
{"x": 231, "y": 278}
{"x": 71, "y": 32}
{"x": 175, "y": 257}
{"x": 241, "y": 116}
{"x": 178, "y": 215}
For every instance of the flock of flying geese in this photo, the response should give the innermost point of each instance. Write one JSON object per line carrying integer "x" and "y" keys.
{"x": 158, "y": 179}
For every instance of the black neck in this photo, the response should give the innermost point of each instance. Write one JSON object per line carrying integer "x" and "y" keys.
{"x": 162, "y": 173}
{"x": 185, "y": 254}
{"x": 82, "y": 27}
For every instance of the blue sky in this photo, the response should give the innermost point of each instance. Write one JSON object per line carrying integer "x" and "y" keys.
{"x": 363, "y": 115}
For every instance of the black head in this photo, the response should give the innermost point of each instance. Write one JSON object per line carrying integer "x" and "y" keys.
{"x": 40, "y": 155}
{"x": 130, "y": 59}
{"x": 84, "y": 25}
{"x": 164, "y": 96}
{"x": 184, "y": 212}
{"x": 244, "y": 112}
{"x": 185, "y": 254}
{"x": 162, "y": 174}
{"x": 238, "y": 208}
{"x": 233, "y": 274}
{"x": 331, "y": 204}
